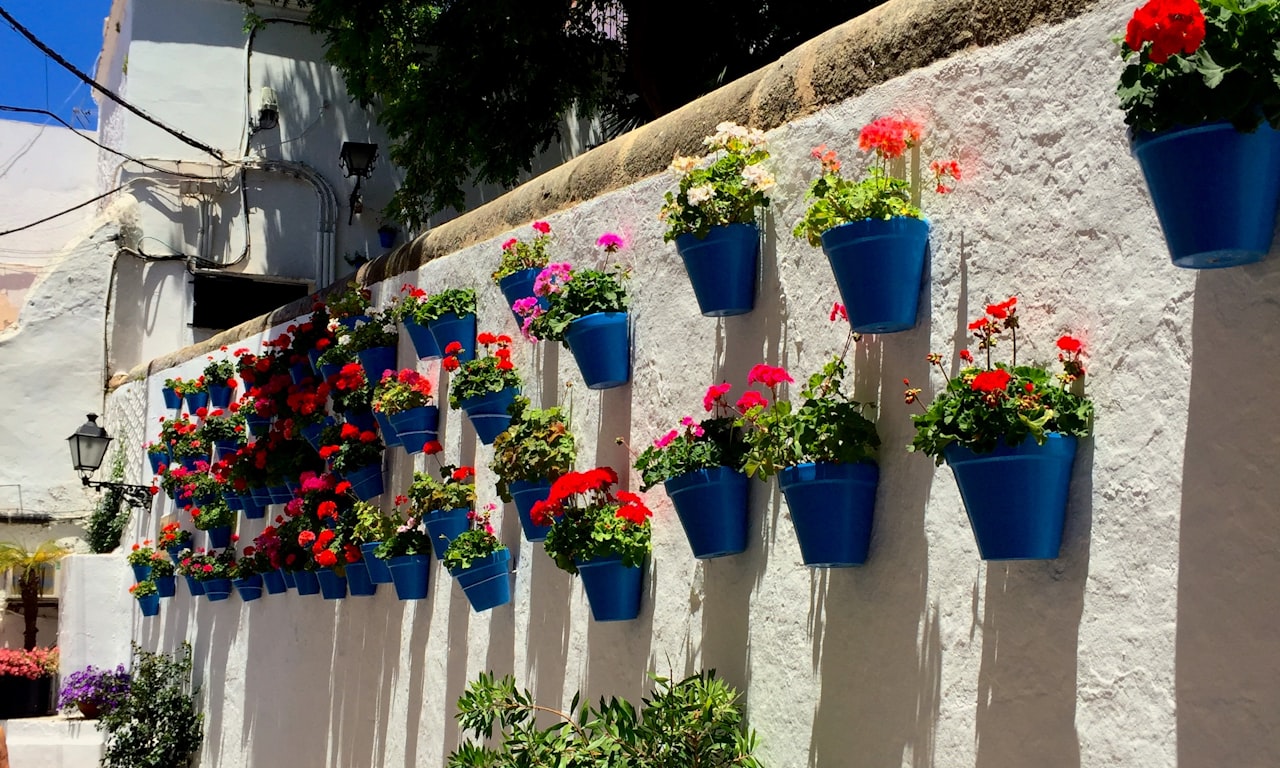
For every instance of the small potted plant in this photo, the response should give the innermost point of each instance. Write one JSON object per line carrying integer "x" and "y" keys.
{"x": 602, "y": 535}
{"x": 1009, "y": 434}
{"x": 450, "y": 315}
{"x": 701, "y": 467}
{"x": 712, "y": 218}
{"x": 371, "y": 527}
{"x": 162, "y": 574}
{"x": 148, "y": 597}
{"x": 405, "y": 397}
{"x": 246, "y": 573}
{"x": 220, "y": 380}
{"x": 351, "y": 395}
{"x": 216, "y": 519}
{"x": 140, "y": 558}
{"x": 173, "y": 539}
{"x": 331, "y": 556}
{"x": 172, "y": 393}
{"x": 350, "y": 307}
{"x": 407, "y": 553}
{"x": 357, "y": 456}
{"x": 208, "y": 573}
{"x": 536, "y": 449}
{"x": 222, "y": 431}
{"x": 268, "y": 550}
{"x": 586, "y": 312}
{"x": 407, "y": 308}
{"x": 195, "y": 392}
{"x": 158, "y": 456}
{"x": 875, "y": 238}
{"x": 374, "y": 343}
{"x": 823, "y": 451}
{"x": 94, "y": 691}
{"x": 1202, "y": 100}
{"x": 484, "y": 387}
{"x": 521, "y": 263}
{"x": 442, "y": 505}
{"x": 480, "y": 563}
{"x": 27, "y": 682}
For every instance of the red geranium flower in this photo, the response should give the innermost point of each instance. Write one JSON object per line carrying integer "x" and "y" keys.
{"x": 750, "y": 399}
{"x": 432, "y": 447}
{"x": 991, "y": 381}
{"x": 453, "y": 348}
{"x": 1069, "y": 344}
{"x": 714, "y": 393}
{"x": 462, "y": 473}
{"x": 1171, "y": 26}
{"x": 326, "y": 559}
{"x": 1001, "y": 311}
{"x": 484, "y": 337}
{"x": 449, "y": 363}
{"x": 768, "y": 375}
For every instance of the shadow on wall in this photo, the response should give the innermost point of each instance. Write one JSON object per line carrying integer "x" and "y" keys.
{"x": 1227, "y": 678}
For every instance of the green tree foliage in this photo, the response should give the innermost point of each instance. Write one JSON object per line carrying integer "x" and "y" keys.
{"x": 108, "y": 520}
{"x": 471, "y": 92}
{"x": 157, "y": 725}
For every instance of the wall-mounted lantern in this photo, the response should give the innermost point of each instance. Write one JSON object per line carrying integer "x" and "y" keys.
{"x": 357, "y": 159}
{"x": 89, "y": 446}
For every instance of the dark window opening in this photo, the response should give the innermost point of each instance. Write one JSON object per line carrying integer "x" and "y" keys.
{"x": 224, "y": 301}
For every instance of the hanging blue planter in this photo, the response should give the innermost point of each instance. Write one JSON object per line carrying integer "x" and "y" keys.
{"x": 358, "y": 581}
{"x": 158, "y": 460}
{"x": 220, "y": 395}
{"x": 519, "y": 285}
{"x": 378, "y": 571}
{"x": 387, "y": 236}
{"x": 280, "y": 494}
{"x": 350, "y": 323}
{"x": 366, "y": 482}
{"x": 444, "y": 527}
{"x": 879, "y": 266}
{"x": 261, "y": 496}
{"x": 332, "y": 585}
{"x": 487, "y": 583}
{"x": 273, "y": 581}
{"x": 175, "y": 552}
{"x": 313, "y": 357}
{"x": 194, "y": 586}
{"x": 409, "y": 575}
{"x": 831, "y": 507}
{"x": 722, "y": 268}
{"x": 449, "y": 328}
{"x": 306, "y": 582}
{"x": 488, "y": 413}
{"x": 258, "y": 426}
{"x": 222, "y": 449}
{"x": 196, "y": 400}
{"x": 375, "y": 361}
{"x": 361, "y": 418}
{"x": 712, "y": 507}
{"x": 288, "y": 576}
{"x": 390, "y": 437}
{"x": 424, "y": 342}
{"x": 613, "y": 589}
{"x": 300, "y": 372}
{"x": 1016, "y": 497}
{"x": 192, "y": 463}
{"x": 234, "y": 501}
{"x": 172, "y": 400}
{"x": 141, "y": 572}
{"x": 312, "y": 433}
{"x": 600, "y": 345}
{"x": 416, "y": 427}
{"x": 219, "y": 537}
{"x": 525, "y": 494}
{"x": 328, "y": 370}
{"x": 149, "y": 605}
{"x": 217, "y": 590}
{"x": 250, "y": 587}
{"x": 1215, "y": 190}
{"x": 166, "y": 586}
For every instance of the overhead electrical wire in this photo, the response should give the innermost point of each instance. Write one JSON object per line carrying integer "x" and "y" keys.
{"x": 184, "y": 138}
{"x": 72, "y": 209}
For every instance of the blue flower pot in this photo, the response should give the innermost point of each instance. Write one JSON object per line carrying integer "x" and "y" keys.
{"x": 387, "y": 236}
{"x": 390, "y": 438}
{"x": 149, "y": 605}
{"x": 157, "y": 460}
{"x": 328, "y": 370}
{"x": 172, "y": 400}
{"x": 722, "y": 268}
{"x": 409, "y": 574}
{"x": 192, "y": 463}
{"x": 332, "y": 586}
{"x": 519, "y": 285}
{"x": 488, "y": 413}
{"x": 220, "y": 537}
{"x": 196, "y": 401}
{"x": 280, "y": 494}
{"x": 224, "y": 448}
{"x": 220, "y": 395}
{"x": 234, "y": 500}
{"x": 879, "y": 266}
{"x": 366, "y": 482}
{"x": 525, "y": 494}
{"x": 1215, "y": 190}
{"x": 449, "y": 328}
{"x": 487, "y": 583}
{"x": 311, "y": 433}
{"x": 300, "y": 372}
{"x": 358, "y": 581}
{"x": 444, "y": 527}
{"x": 712, "y": 507}
{"x": 600, "y": 345}
{"x": 379, "y": 573}
{"x": 175, "y": 552}
{"x": 258, "y": 426}
{"x": 424, "y": 342}
{"x": 1016, "y": 497}
{"x": 362, "y": 419}
{"x": 313, "y": 357}
{"x": 416, "y": 427}
{"x": 831, "y": 507}
{"x": 287, "y": 576}
{"x": 306, "y": 582}
{"x": 350, "y": 323}
{"x": 140, "y": 572}
{"x": 250, "y": 587}
{"x": 273, "y": 581}
{"x": 261, "y": 496}
{"x": 613, "y": 589}
{"x": 375, "y": 361}
{"x": 194, "y": 586}
{"x": 166, "y": 586}
{"x": 217, "y": 590}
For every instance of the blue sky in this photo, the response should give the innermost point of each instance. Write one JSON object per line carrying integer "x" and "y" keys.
{"x": 28, "y": 78}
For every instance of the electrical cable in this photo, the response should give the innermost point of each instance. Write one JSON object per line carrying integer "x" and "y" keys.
{"x": 72, "y": 209}
{"x": 90, "y": 139}
{"x": 184, "y": 138}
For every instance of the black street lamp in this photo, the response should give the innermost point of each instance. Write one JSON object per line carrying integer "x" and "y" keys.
{"x": 89, "y": 446}
{"x": 357, "y": 159}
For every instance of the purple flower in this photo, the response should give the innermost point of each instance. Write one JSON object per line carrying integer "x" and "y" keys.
{"x": 552, "y": 278}
{"x": 103, "y": 688}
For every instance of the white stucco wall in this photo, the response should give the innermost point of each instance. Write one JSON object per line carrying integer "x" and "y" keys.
{"x": 94, "y": 606}
{"x": 1150, "y": 642}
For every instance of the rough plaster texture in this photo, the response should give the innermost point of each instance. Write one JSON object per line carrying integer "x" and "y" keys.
{"x": 93, "y": 597}
{"x": 1150, "y": 642}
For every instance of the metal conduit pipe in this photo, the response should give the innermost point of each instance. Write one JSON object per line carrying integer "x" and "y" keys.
{"x": 326, "y": 224}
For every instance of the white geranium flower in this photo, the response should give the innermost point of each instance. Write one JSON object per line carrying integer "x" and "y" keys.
{"x": 682, "y": 165}
{"x": 757, "y": 178}
{"x": 701, "y": 193}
